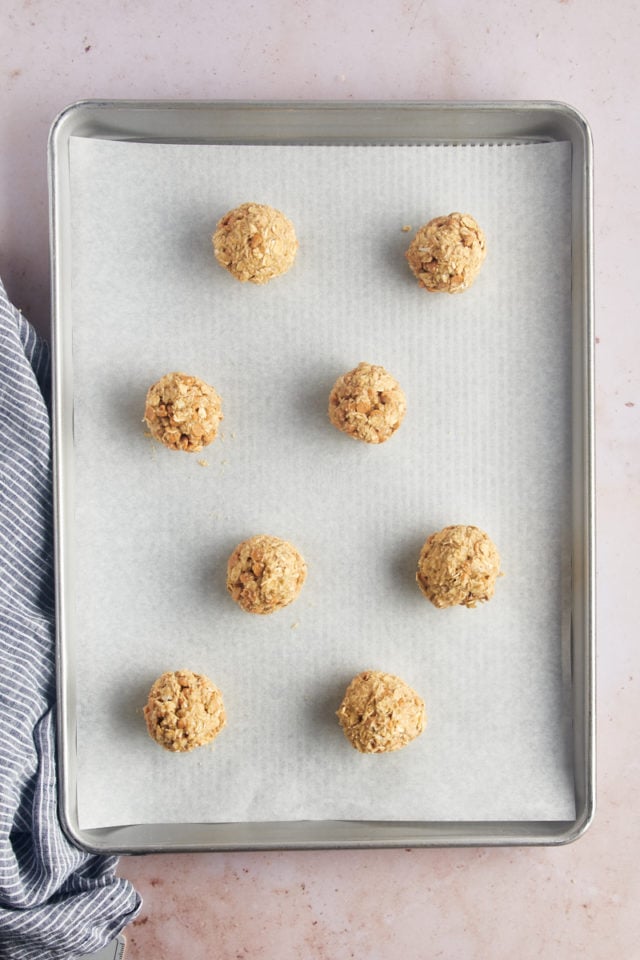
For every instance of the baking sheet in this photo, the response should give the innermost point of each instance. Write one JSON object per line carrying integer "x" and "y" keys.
{"x": 486, "y": 440}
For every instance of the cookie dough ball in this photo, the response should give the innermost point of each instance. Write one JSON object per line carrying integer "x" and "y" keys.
{"x": 183, "y": 412}
{"x": 367, "y": 403}
{"x": 446, "y": 254}
{"x": 184, "y": 710}
{"x": 255, "y": 242}
{"x": 380, "y": 713}
{"x": 265, "y": 574}
{"x": 458, "y": 566}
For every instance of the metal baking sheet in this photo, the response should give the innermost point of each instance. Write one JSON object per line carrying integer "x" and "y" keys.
{"x": 287, "y": 125}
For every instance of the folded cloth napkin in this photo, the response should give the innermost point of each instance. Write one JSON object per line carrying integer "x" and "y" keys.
{"x": 55, "y": 901}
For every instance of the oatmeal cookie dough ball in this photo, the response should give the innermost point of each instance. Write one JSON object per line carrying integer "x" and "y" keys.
{"x": 367, "y": 403}
{"x": 380, "y": 713}
{"x": 446, "y": 254}
{"x": 458, "y": 566}
{"x": 265, "y": 574}
{"x": 183, "y": 412}
{"x": 184, "y": 710}
{"x": 255, "y": 243}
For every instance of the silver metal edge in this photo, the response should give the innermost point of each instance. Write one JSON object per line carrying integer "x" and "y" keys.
{"x": 97, "y": 840}
{"x": 85, "y": 111}
{"x": 65, "y": 731}
{"x": 584, "y": 397}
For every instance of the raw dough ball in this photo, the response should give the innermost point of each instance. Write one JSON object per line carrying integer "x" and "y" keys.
{"x": 255, "y": 242}
{"x": 381, "y": 713}
{"x": 458, "y": 565}
{"x": 447, "y": 253}
{"x": 265, "y": 574}
{"x": 183, "y": 412}
{"x": 367, "y": 403}
{"x": 184, "y": 710}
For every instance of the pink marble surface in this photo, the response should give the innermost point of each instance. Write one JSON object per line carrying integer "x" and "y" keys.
{"x": 497, "y": 903}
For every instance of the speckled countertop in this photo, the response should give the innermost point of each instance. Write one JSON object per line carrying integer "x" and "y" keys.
{"x": 469, "y": 903}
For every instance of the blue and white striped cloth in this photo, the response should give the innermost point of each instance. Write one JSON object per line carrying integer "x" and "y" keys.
{"x": 55, "y": 900}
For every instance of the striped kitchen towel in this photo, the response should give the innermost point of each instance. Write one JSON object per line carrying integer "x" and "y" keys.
{"x": 55, "y": 901}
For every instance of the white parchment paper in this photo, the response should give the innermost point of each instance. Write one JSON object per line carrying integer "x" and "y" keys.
{"x": 486, "y": 441}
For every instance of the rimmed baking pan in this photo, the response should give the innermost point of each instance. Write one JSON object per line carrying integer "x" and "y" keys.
{"x": 500, "y": 425}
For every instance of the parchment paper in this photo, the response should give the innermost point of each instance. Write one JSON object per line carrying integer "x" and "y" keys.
{"x": 486, "y": 441}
